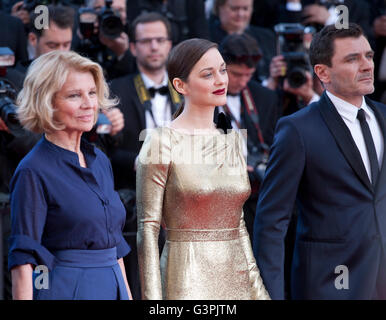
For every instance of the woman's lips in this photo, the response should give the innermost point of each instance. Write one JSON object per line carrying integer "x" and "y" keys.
{"x": 86, "y": 117}
{"x": 219, "y": 92}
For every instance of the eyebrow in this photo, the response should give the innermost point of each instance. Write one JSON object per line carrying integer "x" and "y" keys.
{"x": 352, "y": 55}
{"x": 211, "y": 68}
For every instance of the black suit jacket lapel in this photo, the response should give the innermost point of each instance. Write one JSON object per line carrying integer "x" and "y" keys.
{"x": 381, "y": 121}
{"x": 343, "y": 139}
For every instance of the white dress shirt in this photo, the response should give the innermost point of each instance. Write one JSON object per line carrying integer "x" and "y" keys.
{"x": 349, "y": 113}
{"x": 160, "y": 104}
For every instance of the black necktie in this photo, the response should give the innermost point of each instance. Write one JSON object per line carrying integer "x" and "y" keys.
{"x": 369, "y": 146}
{"x": 162, "y": 90}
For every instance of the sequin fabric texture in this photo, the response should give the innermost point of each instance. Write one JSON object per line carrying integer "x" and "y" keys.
{"x": 194, "y": 185}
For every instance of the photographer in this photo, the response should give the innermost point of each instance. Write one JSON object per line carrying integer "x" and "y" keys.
{"x": 319, "y": 13}
{"x": 103, "y": 36}
{"x": 15, "y": 143}
{"x": 58, "y": 36}
{"x": 249, "y": 106}
{"x": 290, "y": 71}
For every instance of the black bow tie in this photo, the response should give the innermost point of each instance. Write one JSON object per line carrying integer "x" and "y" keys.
{"x": 162, "y": 90}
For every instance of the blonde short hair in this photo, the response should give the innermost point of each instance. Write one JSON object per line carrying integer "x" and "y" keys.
{"x": 46, "y": 76}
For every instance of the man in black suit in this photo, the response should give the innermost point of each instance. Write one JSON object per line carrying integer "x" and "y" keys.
{"x": 249, "y": 106}
{"x": 329, "y": 158}
{"x": 147, "y": 100}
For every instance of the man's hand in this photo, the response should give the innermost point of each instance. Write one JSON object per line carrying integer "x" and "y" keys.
{"x": 305, "y": 91}
{"x": 380, "y": 26}
{"x": 118, "y": 45}
{"x": 3, "y": 126}
{"x": 18, "y": 12}
{"x": 315, "y": 13}
{"x": 277, "y": 69}
{"x": 116, "y": 118}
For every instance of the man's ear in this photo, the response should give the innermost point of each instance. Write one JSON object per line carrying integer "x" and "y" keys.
{"x": 323, "y": 73}
{"x": 32, "y": 39}
{"x": 133, "y": 48}
{"x": 180, "y": 86}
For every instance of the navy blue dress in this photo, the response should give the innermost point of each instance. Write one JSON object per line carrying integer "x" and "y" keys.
{"x": 69, "y": 219}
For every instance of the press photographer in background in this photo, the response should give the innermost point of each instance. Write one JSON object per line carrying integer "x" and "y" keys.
{"x": 15, "y": 143}
{"x": 290, "y": 71}
{"x": 59, "y": 36}
{"x": 249, "y": 106}
{"x": 102, "y": 35}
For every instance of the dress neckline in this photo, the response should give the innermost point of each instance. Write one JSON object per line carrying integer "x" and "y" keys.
{"x": 185, "y": 132}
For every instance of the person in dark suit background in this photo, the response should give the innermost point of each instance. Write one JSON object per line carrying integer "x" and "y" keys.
{"x": 186, "y": 17}
{"x": 249, "y": 106}
{"x": 233, "y": 16}
{"x": 12, "y": 35}
{"x": 327, "y": 159}
{"x": 147, "y": 100}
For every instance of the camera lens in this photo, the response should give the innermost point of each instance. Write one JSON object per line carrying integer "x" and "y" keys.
{"x": 296, "y": 77}
{"x": 8, "y": 112}
{"x": 111, "y": 26}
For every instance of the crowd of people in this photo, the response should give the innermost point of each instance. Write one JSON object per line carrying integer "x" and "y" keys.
{"x": 270, "y": 54}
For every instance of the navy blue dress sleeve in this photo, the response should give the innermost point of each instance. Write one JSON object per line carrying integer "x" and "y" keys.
{"x": 29, "y": 210}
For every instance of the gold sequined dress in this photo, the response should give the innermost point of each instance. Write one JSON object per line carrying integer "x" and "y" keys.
{"x": 194, "y": 185}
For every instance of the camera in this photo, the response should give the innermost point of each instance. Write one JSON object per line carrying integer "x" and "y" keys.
{"x": 8, "y": 93}
{"x": 110, "y": 24}
{"x": 290, "y": 43}
{"x": 258, "y": 160}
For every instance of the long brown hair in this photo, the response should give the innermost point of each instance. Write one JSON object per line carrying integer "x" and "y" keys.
{"x": 183, "y": 58}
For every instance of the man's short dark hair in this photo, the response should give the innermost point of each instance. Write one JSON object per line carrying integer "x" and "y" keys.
{"x": 322, "y": 45}
{"x": 148, "y": 17}
{"x": 62, "y": 16}
{"x": 240, "y": 49}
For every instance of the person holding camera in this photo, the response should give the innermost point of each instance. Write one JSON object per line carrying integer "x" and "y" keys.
{"x": 66, "y": 215}
{"x": 102, "y": 35}
{"x": 320, "y": 13}
{"x": 329, "y": 159}
{"x": 249, "y": 106}
{"x": 291, "y": 74}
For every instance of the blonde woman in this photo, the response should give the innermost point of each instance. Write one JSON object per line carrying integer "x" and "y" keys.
{"x": 65, "y": 213}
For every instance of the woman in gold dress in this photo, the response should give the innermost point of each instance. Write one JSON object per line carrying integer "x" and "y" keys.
{"x": 192, "y": 180}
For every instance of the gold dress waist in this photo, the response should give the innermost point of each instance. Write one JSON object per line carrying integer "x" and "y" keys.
{"x": 202, "y": 234}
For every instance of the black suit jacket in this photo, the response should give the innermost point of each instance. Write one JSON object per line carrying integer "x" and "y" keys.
{"x": 341, "y": 216}
{"x": 127, "y": 144}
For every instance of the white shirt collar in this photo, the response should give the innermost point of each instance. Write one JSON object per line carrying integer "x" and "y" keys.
{"x": 150, "y": 83}
{"x": 348, "y": 110}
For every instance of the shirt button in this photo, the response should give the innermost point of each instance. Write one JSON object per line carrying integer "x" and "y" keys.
{"x": 111, "y": 230}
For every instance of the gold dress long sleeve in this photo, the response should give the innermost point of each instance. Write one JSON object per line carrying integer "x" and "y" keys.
{"x": 195, "y": 187}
